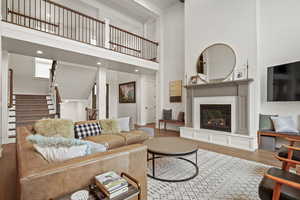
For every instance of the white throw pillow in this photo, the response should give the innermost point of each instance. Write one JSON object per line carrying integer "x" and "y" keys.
{"x": 124, "y": 124}
{"x": 58, "y": 154}
{"x": 284, "y": 124}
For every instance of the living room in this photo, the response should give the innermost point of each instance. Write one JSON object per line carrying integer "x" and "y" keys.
{"x": 235, "y": 156}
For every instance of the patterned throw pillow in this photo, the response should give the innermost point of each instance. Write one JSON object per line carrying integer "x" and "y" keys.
{"x": 86, "y": 130}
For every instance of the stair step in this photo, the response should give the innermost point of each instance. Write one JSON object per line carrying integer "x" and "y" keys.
{"x": 33, "y": 115}
{"x": 29, "y": 110}
{"x": 23, "y": 122}
{"x": 34, "y": 100}
{"x": 21, "y": 96}
{"x": 38, "y": 104}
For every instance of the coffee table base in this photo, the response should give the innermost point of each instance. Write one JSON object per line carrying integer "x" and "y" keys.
{"x": 176, "y": 157}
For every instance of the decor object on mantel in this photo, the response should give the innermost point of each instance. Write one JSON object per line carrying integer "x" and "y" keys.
{"x": 175, "y": 91}
{"x": 216, "y": 63}
{"x": 127, "y": 93}
{"x": 242, "y": 73}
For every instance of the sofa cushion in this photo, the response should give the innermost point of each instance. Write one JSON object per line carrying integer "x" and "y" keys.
{"x": 87, "y": 129}
{"x": 109, "y": 126}
{"x": 55, "y": 127}
{"x": 111, "y": 141}
{"x": 135, "y": 136}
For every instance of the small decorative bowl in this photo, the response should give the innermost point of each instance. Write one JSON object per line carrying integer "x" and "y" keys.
{"x": 80, "y": 195}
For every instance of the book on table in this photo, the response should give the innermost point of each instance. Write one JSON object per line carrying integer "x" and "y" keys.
{"x": 111, "y": 184}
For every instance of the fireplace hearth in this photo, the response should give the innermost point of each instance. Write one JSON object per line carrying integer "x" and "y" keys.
{"x": 215, "y": 117}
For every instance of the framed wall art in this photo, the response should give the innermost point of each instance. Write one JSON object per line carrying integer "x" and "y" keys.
{"x": 127, "y": 92}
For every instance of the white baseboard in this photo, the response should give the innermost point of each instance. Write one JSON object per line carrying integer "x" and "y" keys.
{"x": 220, "y": 138}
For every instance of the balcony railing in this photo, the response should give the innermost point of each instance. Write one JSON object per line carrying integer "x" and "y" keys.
{"x": 54, "y": 18}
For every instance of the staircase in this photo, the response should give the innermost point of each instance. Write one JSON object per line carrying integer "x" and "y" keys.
{"x": 27, "y": 109}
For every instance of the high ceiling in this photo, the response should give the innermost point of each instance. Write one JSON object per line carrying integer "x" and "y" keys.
{"x": 162, "y": 4}
{"x": 135, "y": 10}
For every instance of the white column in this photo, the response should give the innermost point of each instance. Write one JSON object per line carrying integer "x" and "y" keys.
{"x": 1, "y": 123}
{"x": 141, "y": 98}
{"x": 107, "y": 31}
{"x": 3, "y": 97}
{"x": 101, "y": 92}
{"x": 160, "y": 74}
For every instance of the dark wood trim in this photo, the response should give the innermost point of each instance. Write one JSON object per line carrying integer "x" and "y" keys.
{"x": 58, "y": 101}
{"x": 32, "y": 18}
{"x": 136, "y": 50}
{"x": 274, "y": 134}
{"x": 135, "y": 35}
{"x": 123, "y": 84}
{"x": 107, "y": 101}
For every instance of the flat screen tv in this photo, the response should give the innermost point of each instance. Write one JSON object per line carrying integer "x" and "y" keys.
{"x": 284, "y": 82}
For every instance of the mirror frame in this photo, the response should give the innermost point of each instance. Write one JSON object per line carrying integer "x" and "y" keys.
{"x": 221, "y": 79}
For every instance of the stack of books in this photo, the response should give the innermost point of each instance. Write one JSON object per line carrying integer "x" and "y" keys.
{"x": 111, "y": 184}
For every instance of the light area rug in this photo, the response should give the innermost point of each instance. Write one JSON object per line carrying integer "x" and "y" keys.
{"x": 220, "y": 177}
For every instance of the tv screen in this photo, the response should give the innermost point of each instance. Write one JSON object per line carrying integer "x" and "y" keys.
{"x": 284, "y": 82}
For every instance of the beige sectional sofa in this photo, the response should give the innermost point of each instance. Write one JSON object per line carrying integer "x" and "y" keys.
{"x": 40, "y": 180}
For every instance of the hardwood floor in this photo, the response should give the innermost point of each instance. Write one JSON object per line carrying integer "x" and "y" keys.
{"x": 8, "y": 169}
{"x": 8, "y": 173}
{"x": 265, "y": 157}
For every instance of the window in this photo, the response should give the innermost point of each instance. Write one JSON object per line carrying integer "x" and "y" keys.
{"x": 42, "y": 68}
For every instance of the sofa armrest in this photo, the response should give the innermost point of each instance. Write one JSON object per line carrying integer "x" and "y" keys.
{"x": 56, "y": 179}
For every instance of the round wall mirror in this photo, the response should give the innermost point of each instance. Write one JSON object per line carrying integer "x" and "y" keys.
{"x": 216, "y": 62}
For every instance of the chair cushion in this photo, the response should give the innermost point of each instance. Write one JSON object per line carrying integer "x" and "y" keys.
{"x": 283, "y": 152}
{"x": 287, "y": 193}
{"x": 111, "y": 141}
{"x": 134, "y": 137}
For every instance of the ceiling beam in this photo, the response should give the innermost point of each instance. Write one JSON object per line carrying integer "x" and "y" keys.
{"x": 150, "y": 7}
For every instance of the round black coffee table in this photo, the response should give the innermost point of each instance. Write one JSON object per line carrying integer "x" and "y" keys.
{"x": 176, "y": 147}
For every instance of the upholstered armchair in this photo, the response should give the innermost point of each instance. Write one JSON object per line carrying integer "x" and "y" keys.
{"x": 281, "y": 184}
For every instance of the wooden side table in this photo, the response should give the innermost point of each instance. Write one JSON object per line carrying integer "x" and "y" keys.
{"x": 97, "y": 194}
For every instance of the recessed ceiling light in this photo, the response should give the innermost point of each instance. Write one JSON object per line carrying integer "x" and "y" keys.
{"x": 136, "y": 70}
{"x": 39, "y": 52}
{"x": 99, "y": 63}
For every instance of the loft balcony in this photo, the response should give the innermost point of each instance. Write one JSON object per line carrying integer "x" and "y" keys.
{"x": 56, "y": 19}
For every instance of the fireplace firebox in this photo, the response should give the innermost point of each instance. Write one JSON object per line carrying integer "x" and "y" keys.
{"x": 215, "y": 117}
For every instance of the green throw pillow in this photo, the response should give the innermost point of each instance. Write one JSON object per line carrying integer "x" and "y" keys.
{"x": 109, "y": 126}
{"x": 55, "y": 127}
{"x": 265, "y": 122}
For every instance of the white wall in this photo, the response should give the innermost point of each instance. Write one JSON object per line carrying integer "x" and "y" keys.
{"x": 74, "y": 110}
{"x": 232, "y": 22}
{"x": 24, "y": 80}
{"x": 135, "y": 110}
{"x": 279, "y": 32}
{"x": 173, "y": 51}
